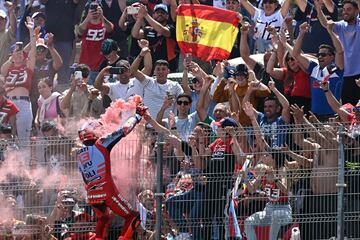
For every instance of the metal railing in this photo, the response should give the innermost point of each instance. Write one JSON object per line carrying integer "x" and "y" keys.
{"x": 319, "y": 191}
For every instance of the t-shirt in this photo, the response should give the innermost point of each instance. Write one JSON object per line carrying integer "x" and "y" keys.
{"x": 350, "y": 38}
{"x": 163, "y": 47}
{"x": 184, "y": 126}
{"x": 7, "y": 110}
{"x": 124, "y": 91}
{"x": 91, "y": 45}
{"x": 154, "y": 94}
{"x": 300, "y": 86}
{"x": 274, "y": 193}
{"x": 275, "y": 20}
{"x": 274, "y": 131}
{"x": 51, "y": 112}
{"x": 18, "y": 77}
{"x": 318, "y": 34}
{"x": 319, "y": 103}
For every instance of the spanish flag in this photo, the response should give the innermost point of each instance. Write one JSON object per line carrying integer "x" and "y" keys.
{"x": 206, "y": 32}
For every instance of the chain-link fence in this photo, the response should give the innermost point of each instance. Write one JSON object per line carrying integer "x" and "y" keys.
{"x": 221, "y": 184}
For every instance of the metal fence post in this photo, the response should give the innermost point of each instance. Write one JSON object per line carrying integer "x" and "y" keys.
{"x": 159, "y": 185}
{"x": 341, "y": 185}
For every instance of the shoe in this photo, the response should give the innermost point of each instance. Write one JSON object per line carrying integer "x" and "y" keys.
{"x": 140, "y": 109}
{"x": 183, "y": 236}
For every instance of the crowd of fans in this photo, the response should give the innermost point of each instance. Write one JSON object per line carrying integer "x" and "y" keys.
{"x": 251, "y": 144}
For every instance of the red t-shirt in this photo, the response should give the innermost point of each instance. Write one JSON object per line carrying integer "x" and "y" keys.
{"x": 7, "y": 109}
{"x": 91, "y": 46}
{"x": 273, "y": 192}
{"x": 18, "y": 77}
{"x": 301, "y": 86}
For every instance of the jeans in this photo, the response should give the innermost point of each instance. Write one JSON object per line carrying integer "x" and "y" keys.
{"x": 275, "y": 215}
{"x": 24, "y": 119}
{"x": 190, "y": 203}
{"x": 65, "y": 49}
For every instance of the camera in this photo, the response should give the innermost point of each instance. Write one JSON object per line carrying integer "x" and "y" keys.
{"x": 116, "y": 70}
{"x": 93, "y": 7}
{"x": 133, "y": 10}
{"x": 78, "y": 75}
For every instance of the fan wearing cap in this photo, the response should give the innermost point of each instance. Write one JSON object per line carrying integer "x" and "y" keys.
{"x": 237, "y": 81}
{"x": 160, "y": 34}
{"x": 7, "y": 35}
{"x": 18, "y": 72}
{"x": 95, "y": 167}
{"x": 93, "y": 30}
{"x": 225, "y": 153}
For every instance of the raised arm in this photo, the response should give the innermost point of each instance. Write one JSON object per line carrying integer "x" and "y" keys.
{"x": 277, "y": 73}
{"x": 122, "y": 20}
{"x": 301, "y": 4}
{"x": 320, "y": 14}
{"x": 146, "y": 55}
{"x": 136, "y": 31}
{"x": 185, "y": 79}
{"x": 57, "y": 60}
{"x": 201, "y": 110}
{"x": 10, "y": 7}
{"x": 160, "y": 29}
{"x": 334, "y": 103}
{"x": 304, "y": 61}
{"x": 249, "y": 7}
{"x": 339, "y": 50}
{"x": 244, "y": 47}
{"x": 260, "y": 140}
{"x": 99, "y": 81}
{"x": 240, "y": 155}
{"x": 285, "y": 8}
{"x": 285, "y": 114}
{"x": 168, "y": 102}
{"x": 33, "y": 37}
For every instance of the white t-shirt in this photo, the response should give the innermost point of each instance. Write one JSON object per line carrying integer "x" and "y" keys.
{"x": 154, "y": 94}
{"x": 276, "y": 20}
{"x": 185, "y": 126}
{"x": 124, "y": 91}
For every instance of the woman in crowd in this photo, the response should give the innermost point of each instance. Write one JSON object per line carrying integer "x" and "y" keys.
{"x": 48, "y": 103}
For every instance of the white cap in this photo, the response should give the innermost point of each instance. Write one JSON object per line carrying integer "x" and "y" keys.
{"x": 3, "y": 13}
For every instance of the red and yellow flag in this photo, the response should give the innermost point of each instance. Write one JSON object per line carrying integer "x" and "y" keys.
{"x": 206, "y": 32}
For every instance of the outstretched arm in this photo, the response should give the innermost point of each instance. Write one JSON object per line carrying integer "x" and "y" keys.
{"x": 285, "y": 114}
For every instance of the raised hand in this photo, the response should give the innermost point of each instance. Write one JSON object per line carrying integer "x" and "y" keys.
{"x": 271, "y": 85}
{"x": 50, "y": 41}
{"x": 249, "y": 110}
{"x": 304, "y": 27}
{"x": 29, "y": 23}
{"x": 296, "y": 111}
{"x": 324, "y": 85}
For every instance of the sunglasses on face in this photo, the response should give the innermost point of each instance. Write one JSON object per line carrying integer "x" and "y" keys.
{"x": 183, "y": 102}
{"x": 232, "y": 2}
{"x": 269, "y": 2}
{"x": 290, "y": 59}
{"x": 322, "y": 54}
{"x": 40, "y": 49}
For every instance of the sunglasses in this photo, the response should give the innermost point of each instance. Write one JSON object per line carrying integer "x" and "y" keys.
{"x": 183, "y": 102}
{"x": 323, "y": 54}
{"x": 290, "y": 59}
{"x": 232, "y": 2}
{"x": 40, "y": 49}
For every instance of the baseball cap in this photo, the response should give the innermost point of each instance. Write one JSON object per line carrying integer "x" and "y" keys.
{"x": 38, "y": 14}
{"x": 228, "y": 122}
{"x": 41, "y": 43}
{"x": 3, "y": 14}
{"x": 123, "y": 63}
{"x": 108, "y": 46}
{"x": 242, "y": 70}
{"x": 162, "y": 7}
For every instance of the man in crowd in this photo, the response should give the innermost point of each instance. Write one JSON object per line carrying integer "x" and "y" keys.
{"x": 160, "y": 34}
{"x": 92, "y": 31}
{"x": 156, "y": 89}
{"x": 348, "y": 31}
{"x": 81, "y": 99}
{"x": 330, "y": 67}
{"x": 7, "y": 35}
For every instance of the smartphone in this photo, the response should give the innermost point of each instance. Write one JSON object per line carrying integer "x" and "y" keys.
{"x": 116, "y": 70}
{"x": 93, "y": 7}
{"x": 188, "y": 58}
{"x": 78, "y": 75}
{"x": 19, "y": 46}
{"x": 133, "y": 10}
{"x": 169, "y": 95}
